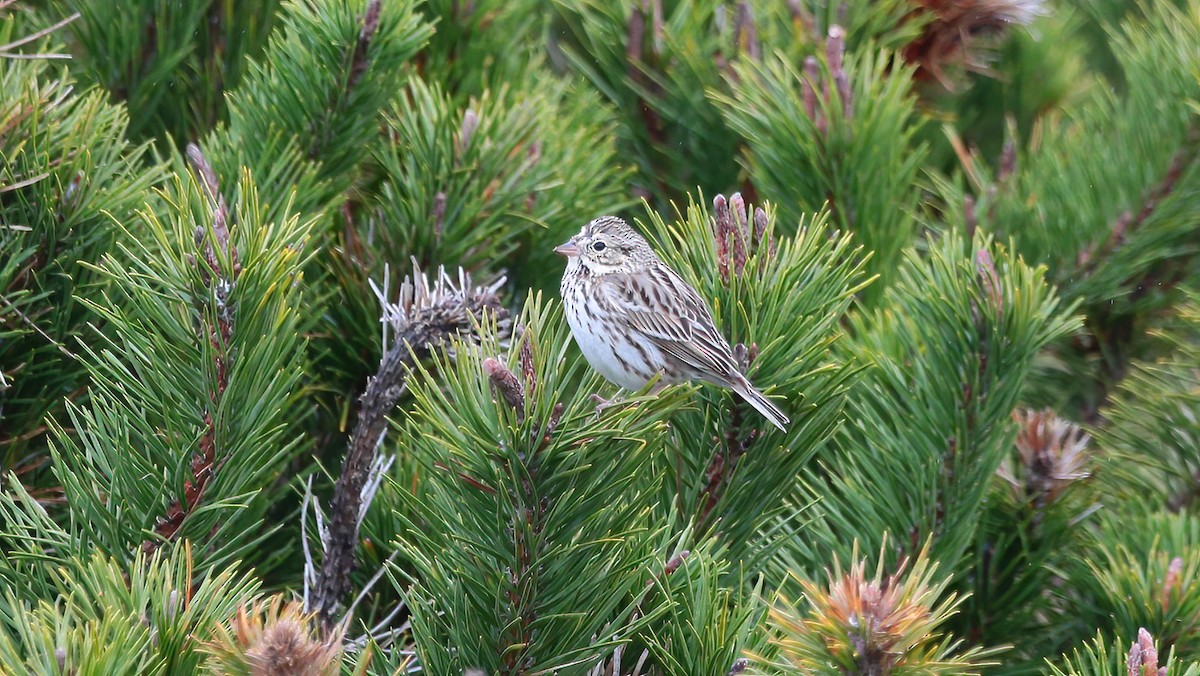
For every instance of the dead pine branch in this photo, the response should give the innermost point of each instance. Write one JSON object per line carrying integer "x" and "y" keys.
{"x": 426, "y": 314}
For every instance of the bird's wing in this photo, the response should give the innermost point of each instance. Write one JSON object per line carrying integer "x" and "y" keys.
{"x": 661, "y": 306}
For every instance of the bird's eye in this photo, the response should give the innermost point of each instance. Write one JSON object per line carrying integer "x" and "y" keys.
{"x": 599, "y": 246}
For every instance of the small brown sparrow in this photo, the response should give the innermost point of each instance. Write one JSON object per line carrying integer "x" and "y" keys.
{"x": 633, "y": 317}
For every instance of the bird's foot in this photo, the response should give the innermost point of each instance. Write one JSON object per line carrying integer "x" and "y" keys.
{"x": 602, "y": 403}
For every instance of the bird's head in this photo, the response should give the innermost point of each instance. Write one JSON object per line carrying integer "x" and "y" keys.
{"x": 607, "y": 244}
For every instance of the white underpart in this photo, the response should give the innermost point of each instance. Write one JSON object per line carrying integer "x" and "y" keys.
{"x": 602, "y": 353}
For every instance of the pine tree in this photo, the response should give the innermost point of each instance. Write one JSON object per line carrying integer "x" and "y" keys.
{"x": 286, "y": 387}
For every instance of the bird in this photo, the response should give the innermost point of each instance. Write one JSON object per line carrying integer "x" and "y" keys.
{"x": 635, "y": 318}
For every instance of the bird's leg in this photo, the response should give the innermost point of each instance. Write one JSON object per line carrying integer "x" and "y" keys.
{"x": 602, "y": 403}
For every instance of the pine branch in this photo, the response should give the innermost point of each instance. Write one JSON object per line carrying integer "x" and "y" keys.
{"x": 483, "y": 46}
{"x": 657, "y": 74}
{"x": 929, "y": 421}
{"x": 68, "y": 172}
{"x": 425, "y": 316}
{"x": 779, "y": 298}
{"x": 843, "y": 131}
{"x": 1136, "y": 571}
{"x": 645, "y": 91}
{"x": 197, "y": 310}
{"x": 714, "y": 617}
{"x": 1152, "y": 432}
{"x": 477, "y": 181}
{"x": 1114, "y": 338}
{"x": 1122, "y": 252}
{"x": 169, "y": 64}
{"x": 1127, "y": 223}
{"x": 511, "y": 456}
{"x": 738, "y": 239}
{"x": 110, "y": 616}
{"x": 1032, "y": 525}
{"x": 521, "y": 593}
{"x": 313, "y": 137}
{"x": 1102, "y": 657}
{"x": 724, "y": 462}
{"x": 359, "y": 62}
{"x": 34, "y": 37}
{"x": 219, "y": 271}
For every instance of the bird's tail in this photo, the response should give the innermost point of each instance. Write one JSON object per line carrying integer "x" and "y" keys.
{"x": 763, "y": 405}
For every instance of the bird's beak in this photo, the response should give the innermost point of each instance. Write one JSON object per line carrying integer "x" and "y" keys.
{"x": 567, "y": 249}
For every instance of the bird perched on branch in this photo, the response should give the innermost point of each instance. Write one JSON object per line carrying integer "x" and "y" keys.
{"x": 634, "y": 318}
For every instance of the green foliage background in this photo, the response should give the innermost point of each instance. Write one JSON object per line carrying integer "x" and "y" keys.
{"x": 971, "y": 236}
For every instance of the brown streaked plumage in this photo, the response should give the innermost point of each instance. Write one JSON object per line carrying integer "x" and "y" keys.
{"x": 634, "y": 317}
